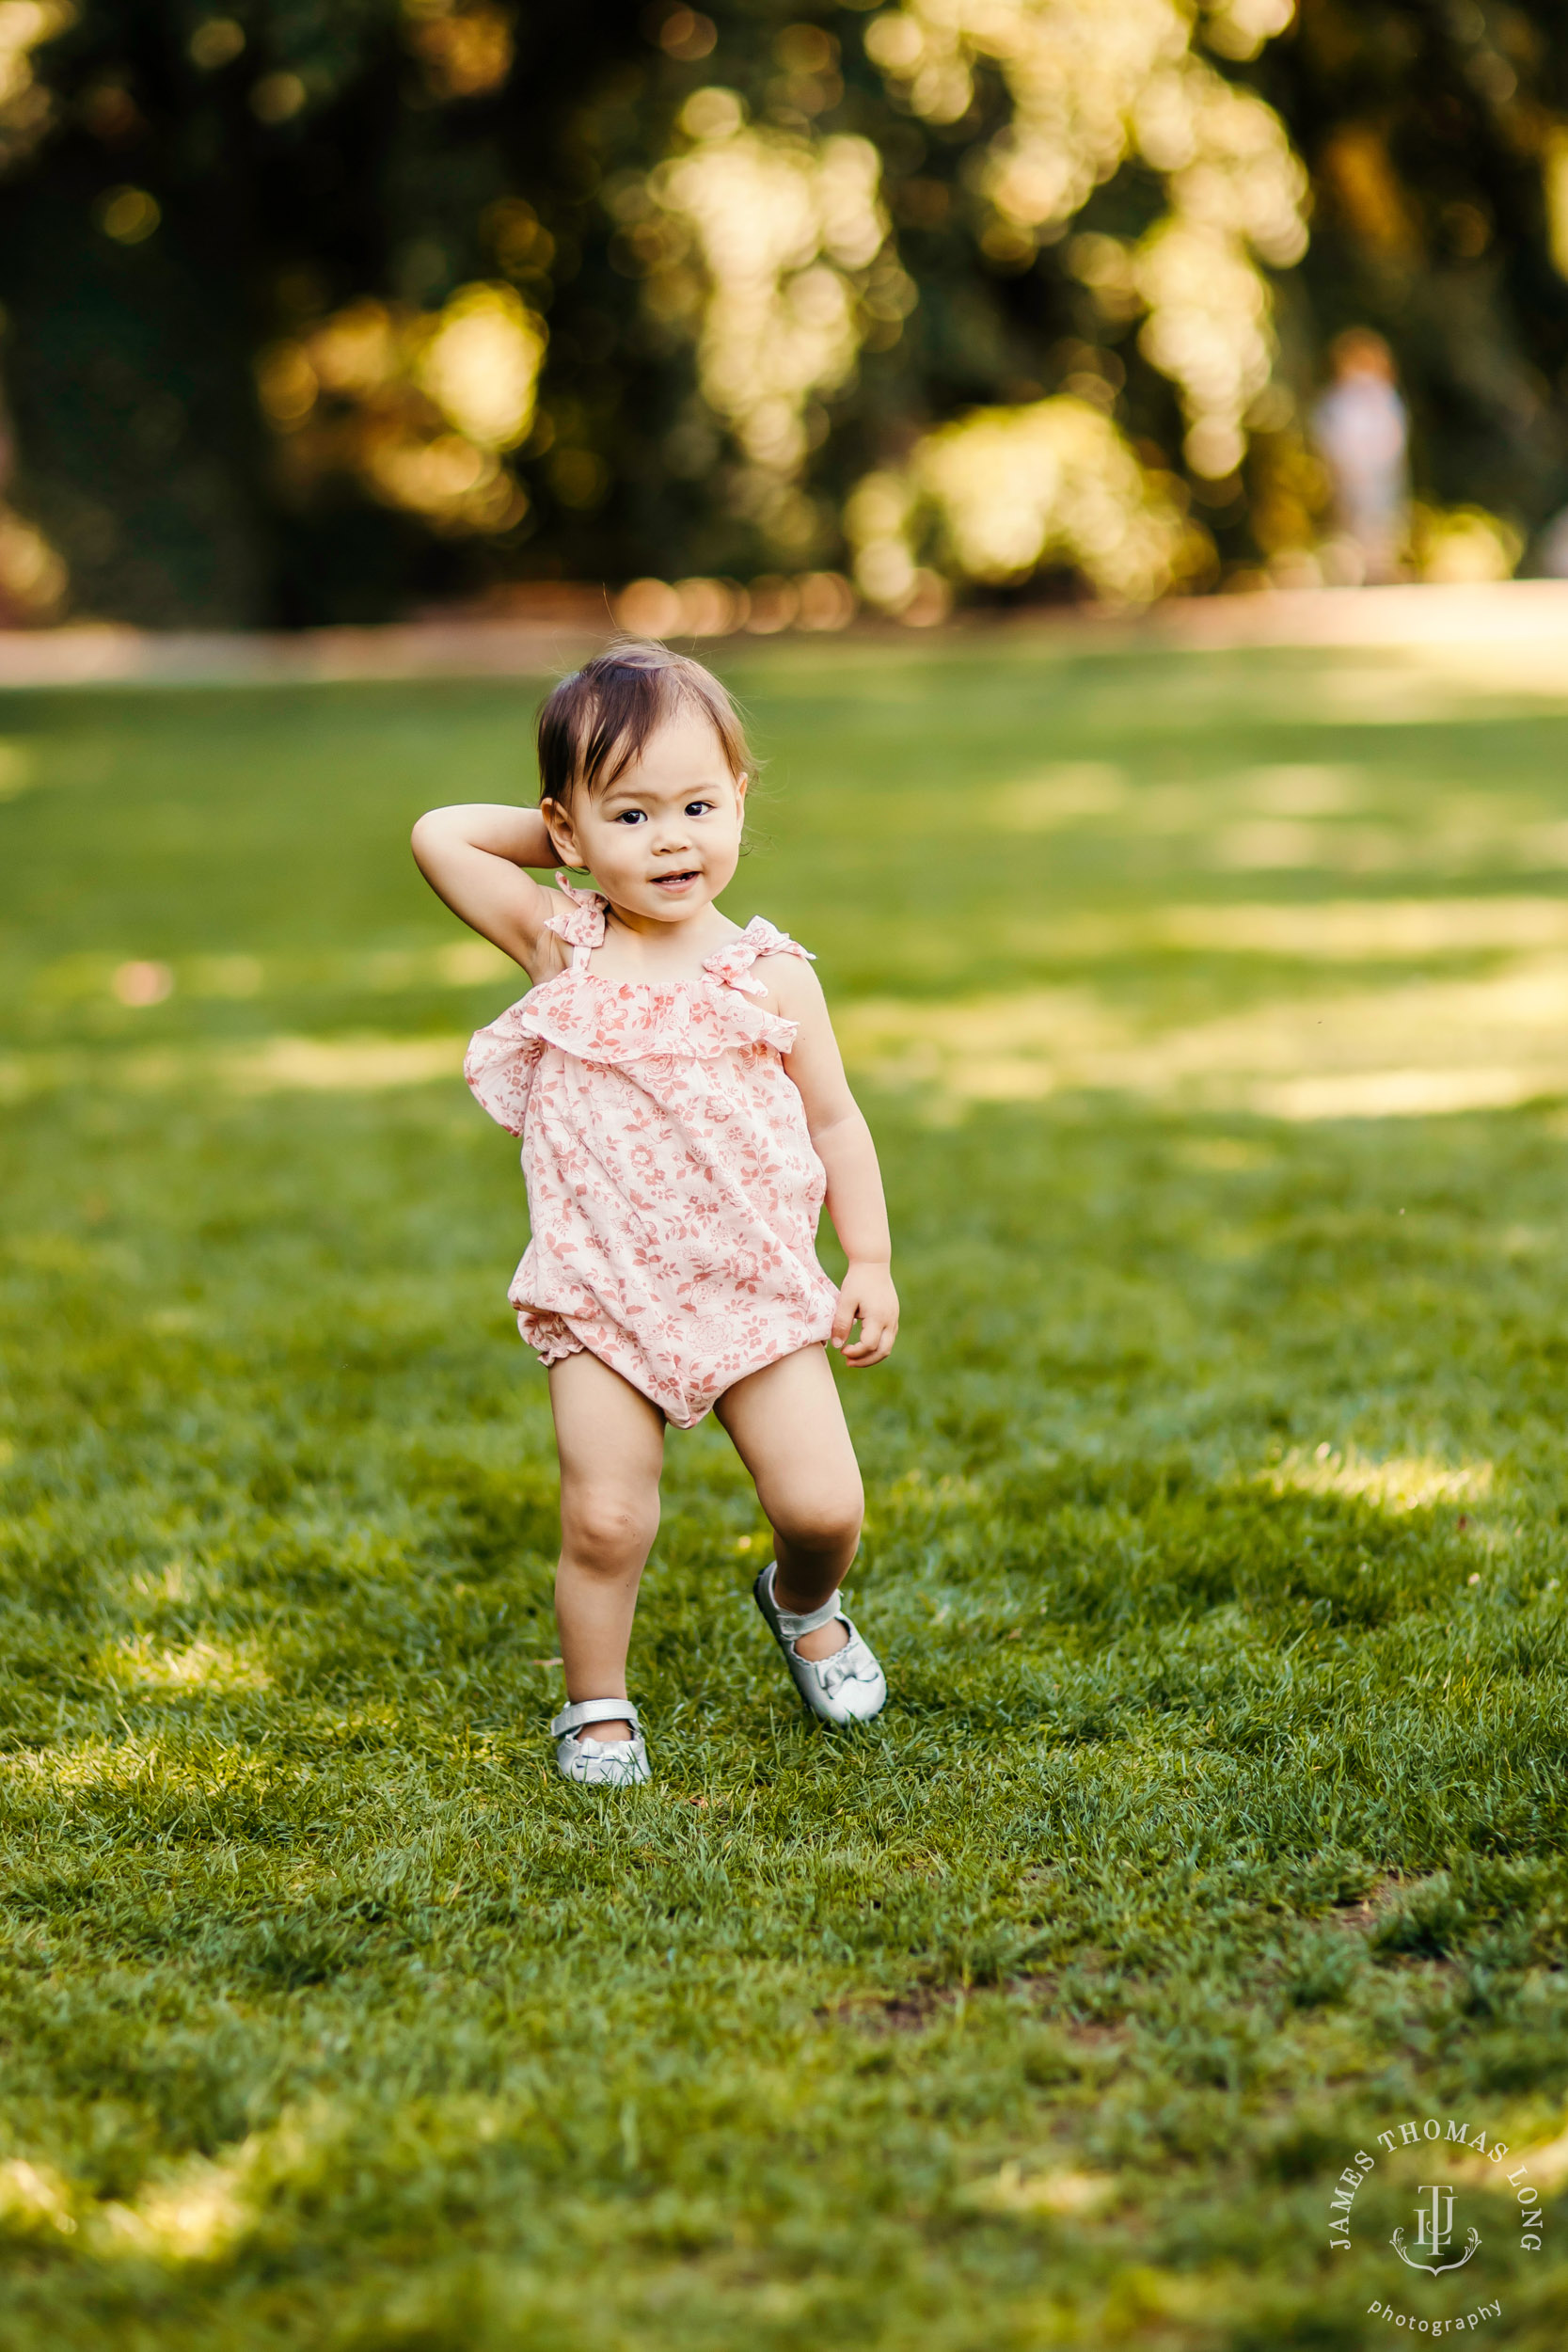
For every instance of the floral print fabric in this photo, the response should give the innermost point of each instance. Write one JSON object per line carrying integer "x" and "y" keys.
{"x": 672, "y": 1189}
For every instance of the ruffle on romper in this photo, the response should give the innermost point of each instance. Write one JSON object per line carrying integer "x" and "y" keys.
{"x": 617, "y": 1022}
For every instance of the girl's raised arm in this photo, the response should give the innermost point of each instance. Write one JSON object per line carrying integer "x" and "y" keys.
{"x": 474, "y": 857}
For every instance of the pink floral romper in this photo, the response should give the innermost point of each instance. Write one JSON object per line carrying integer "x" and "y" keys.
{"x": 672, "y": 1189}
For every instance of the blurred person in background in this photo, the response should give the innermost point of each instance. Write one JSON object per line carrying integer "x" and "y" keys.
{"x": 1362, "y": 430}
{"x": 1552, "y": 552}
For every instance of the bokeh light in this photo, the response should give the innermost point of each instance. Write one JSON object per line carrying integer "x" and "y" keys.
{"x": 717, "y": 608}
{"x": 421, "y": 405}
{"x": 26, "y": 107}
{"x": 1006, "y": 491}
{"x": 143, "y": 982}
{"x": 129, "y": 216}
{"x": 33, "y": 577}
{"x": 764, "y": 245}
{"x": 481, "y": 365}
{"x": 278, "y": 98}
{"x": 465, "y": 51}
{"x": 215, "y": 43}
{"x": 1090, "y": 87}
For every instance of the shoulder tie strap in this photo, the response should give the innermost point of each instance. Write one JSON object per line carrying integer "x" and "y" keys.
{"x": 580, "y": 924}
{"x": 733, "y": 964}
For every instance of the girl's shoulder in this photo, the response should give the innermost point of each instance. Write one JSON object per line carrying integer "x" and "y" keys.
{"x": 777, "y": 967}
{"x": 762, "y": 941}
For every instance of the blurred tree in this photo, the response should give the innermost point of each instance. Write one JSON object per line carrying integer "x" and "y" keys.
{"x": 322, "y": 308}
{"x": 205, "y": 190}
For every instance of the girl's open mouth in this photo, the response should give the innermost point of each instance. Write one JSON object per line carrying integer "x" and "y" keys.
{"x": 674, "y": 882}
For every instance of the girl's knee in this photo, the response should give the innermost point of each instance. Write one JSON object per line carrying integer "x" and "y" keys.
{"x": 826, "y": 1521}
{"x": 607, "y": 1533}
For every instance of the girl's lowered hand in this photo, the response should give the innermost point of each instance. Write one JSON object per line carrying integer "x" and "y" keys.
{"x": 866, "y": 1296}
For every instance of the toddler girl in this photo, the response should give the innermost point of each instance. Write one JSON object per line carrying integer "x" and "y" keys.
{"x": 683, "y": 1113}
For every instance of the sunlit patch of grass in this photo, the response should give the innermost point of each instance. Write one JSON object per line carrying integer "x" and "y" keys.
{"x": 201, "y": 1665}
{"x": 194, "y": 2216}
{"x": 1011, "y": 2190}
{"x": 1402, "y": 1482}
{"x": 357, "y": 1064}
{"x": 1409, "y": 1049}
{"x": 1214, "y": 1545}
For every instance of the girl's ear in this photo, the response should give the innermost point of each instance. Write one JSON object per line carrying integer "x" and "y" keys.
{"x": 740, "y": 783}
{"x": 557, "y": 824}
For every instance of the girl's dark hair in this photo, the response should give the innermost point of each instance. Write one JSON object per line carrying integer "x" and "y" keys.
{"x": 597, "y": 720}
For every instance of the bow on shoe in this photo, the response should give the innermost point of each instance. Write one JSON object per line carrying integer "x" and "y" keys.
{"x": 853, "y": 1663}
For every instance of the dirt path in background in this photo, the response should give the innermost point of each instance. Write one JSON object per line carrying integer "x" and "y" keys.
{"x": 1531, "y": 616}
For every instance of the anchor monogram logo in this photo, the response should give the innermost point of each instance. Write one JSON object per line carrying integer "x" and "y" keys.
{"x": 1435, "y": 2234}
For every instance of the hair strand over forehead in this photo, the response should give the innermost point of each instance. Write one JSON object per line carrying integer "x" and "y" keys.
{"x": 600, "y": 719}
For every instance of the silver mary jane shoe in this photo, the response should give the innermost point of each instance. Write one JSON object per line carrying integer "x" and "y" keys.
{"x": 600, "y": 1763}
{"x": 847, "y": 1688}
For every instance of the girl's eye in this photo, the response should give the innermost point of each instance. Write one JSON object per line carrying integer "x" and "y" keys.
{"x": 631, "y": 817}
{"x": 698, "y": 808}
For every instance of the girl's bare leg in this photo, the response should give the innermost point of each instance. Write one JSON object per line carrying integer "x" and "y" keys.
{"x": 611, "y": 1445}
{"x": 787, "y": 1426}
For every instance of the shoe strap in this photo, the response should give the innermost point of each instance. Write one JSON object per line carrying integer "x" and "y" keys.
{"x": 792, "y": 1626}
{"x": 595, "y": 1711}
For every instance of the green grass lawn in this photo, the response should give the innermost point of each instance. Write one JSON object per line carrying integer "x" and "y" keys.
{"x": 1215, "y": 1551}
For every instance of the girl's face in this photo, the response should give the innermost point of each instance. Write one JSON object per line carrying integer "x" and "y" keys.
{"x": 664, "y": 839}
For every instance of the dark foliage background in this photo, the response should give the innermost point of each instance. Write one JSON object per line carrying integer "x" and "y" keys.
{"x": 301, "y": 156}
